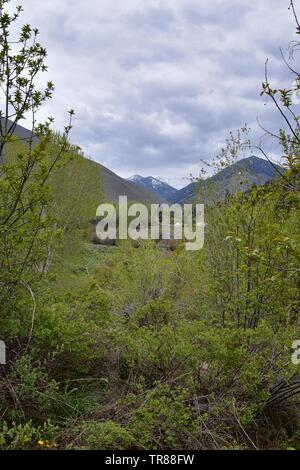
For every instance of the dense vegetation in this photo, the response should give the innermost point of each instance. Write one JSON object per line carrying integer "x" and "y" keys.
{"x": 143, "y": 347}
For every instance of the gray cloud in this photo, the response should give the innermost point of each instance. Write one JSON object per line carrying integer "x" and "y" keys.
{"x": 159, "y": 84}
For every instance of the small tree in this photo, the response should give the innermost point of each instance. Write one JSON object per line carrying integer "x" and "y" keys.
{"x": 21, "y": 60}
{"x": 25, "y": 169}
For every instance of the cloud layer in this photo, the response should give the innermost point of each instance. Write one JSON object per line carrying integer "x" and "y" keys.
{"x": 158, "y": 84}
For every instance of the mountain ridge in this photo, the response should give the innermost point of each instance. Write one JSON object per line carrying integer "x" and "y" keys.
{"x": 240, "y": 175}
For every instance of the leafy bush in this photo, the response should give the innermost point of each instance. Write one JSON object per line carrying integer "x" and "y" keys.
{"x": 93, "y": 435}
{"x": 27, "y": 436}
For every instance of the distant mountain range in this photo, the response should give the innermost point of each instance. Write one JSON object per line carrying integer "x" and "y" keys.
{"x": 240, "y": 175}
{"x": 156, "y": 185}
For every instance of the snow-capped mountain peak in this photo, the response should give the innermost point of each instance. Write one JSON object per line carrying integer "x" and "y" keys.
{"x": 155, "y": 184}
{"x": 135, "y": 178}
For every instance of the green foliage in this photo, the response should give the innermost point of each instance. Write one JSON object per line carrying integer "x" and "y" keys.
{"x": 142, "y": 347}
{"x": 18, "y": 436}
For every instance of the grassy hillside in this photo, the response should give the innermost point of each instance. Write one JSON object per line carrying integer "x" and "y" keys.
{"x": 112, "y": 185}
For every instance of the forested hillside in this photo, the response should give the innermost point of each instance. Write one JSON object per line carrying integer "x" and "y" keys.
{"x": 139, "y": 346}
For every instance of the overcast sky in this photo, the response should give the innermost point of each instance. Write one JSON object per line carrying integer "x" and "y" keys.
{"x": 158, "y": 84}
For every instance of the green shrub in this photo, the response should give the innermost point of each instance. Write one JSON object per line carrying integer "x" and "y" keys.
{"x": 93, "y": 435}
{"x": 163, "y": 419}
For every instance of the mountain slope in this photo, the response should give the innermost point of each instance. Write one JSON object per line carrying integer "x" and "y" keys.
{"x": 113, "y": 185}
{"x": 163, "y": 189}
{"x": 240, "y": 175}
{"x": 23, "y": 133}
